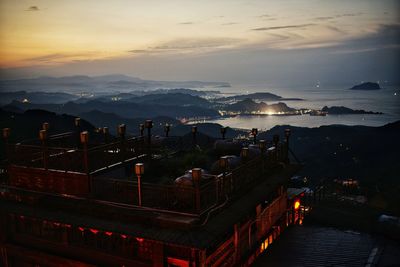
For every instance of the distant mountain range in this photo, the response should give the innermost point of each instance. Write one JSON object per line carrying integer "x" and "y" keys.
{"x": 98, "y": 84}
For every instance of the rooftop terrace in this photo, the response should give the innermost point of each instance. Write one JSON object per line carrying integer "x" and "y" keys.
{"x": 190, "y": 175}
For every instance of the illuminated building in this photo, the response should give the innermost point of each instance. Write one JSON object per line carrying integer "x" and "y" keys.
{"x": 86, "y": 199}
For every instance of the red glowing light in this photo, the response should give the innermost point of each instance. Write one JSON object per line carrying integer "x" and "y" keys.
{"x": 123, "y": 236}
{"x": 81, "y": 229}
{"x": 297, "y": 204}
{"x": 108, "y": 233}
{"x": 94, "y": 231}
{"x": 138, "y": 239}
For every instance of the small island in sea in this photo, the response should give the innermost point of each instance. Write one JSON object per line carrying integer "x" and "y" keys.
{"x": 335, "y": 110}
{"x": 366, "y": 86}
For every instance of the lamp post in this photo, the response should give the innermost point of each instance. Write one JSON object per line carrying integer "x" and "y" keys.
{"x": 223, "y": 164}
{"x": 196, "y": 177}
{"x": 43, "y": 139}
{"x": 275, "y": 140}
{"x": 84, "y": 137}
{"x": 141, "y": 129}
{"x": 194, "y": 133}
{"x": 148, "y": 124}
{"x": 6, "y": 136}
{"x": 223, "y": 132}
{"x": 121, "y": 131}
{"x": 167, "y": 128}
{"x": 254, "y": 132}
{"x": 77, "y": 123}
{"x": 139, "y": 171}
{"x": 287, "y": 135}
{"x": 45, "y": 126}
{"x": 262, "y": 145}
{"x": 105, "y": 134}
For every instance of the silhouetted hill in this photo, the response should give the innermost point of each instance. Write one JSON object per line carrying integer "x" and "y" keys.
{"x": 345, "y": 110}
{"x": 257, "y": 96}
{"x": 366, "y": 86}
{"x": 369, "y": 154}
{"x": 107, "y": 83}
{"x": 111, "y": 120}
{"x": 26, "y": 125}
{"x": 350, "y": 151}
{"x": 36, "y": 97}
{"x": 171, "y": 99}
{"x": 121, "y": 108}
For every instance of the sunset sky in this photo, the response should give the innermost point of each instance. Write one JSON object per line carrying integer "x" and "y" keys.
{"x": 206, "y": 40}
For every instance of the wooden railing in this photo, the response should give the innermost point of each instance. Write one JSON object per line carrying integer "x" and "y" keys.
{"x": 178, "y": 198}
{"x": 73, "y": 159}
{"x": 195, "y": 199}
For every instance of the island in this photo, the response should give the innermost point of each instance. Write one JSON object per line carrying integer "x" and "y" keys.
{"x": 366, "y": 86}
{"x": 335, "y": 110}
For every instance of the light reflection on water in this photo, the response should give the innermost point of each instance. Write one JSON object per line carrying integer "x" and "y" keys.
{"x": 384, "y": 100}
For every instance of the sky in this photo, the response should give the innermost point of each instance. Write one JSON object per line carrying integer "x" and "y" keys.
{"x": 236, "y": 41}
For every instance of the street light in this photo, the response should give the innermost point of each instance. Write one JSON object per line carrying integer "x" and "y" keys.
{"x": 45, "y": 126}
{"x": 167, "y": 127}
{"x": 262, "y": 145}
{"x": 105, "y": 133}
{"x": 223, "y": 132}
{"x": 84, "y": 137}
{"x": 141, "y": 129}
{"x": 122, "y": 131}
{"x": 254, "y": 132}
{"x": 77, "y": 122}
{"x": 148, "y": 125}
{"x": 194, "y": 132}
{"x": 139, "y": 171}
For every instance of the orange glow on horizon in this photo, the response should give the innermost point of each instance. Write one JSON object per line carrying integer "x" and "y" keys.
{"x": 61, "y": 32}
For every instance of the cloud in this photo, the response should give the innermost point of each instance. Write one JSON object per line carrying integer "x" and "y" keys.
{"x": 264, "y": 16}
{"x": 283, "y": 27}
{"x": 47, "y": 58}
{"x": 33, "y": 8}
{"x": 336, "y": 29}
{"x": 386, "y": 36}
{"x": 197, "y": 43}
{"x": 323, "y": 18}
{"x": 185, "y": 45}
{"x": 186, "y": 23}
{"x": 137, "y": 51}
{"x": 57, "y": 58}
{"x": 349, "y": 15}
{"x": 229, "y": 23}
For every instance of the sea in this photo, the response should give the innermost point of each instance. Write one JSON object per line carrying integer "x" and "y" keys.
{"x": 386, "y": 100}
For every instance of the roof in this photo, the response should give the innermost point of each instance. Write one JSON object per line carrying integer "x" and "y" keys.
{"x": 177, "y": 229}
